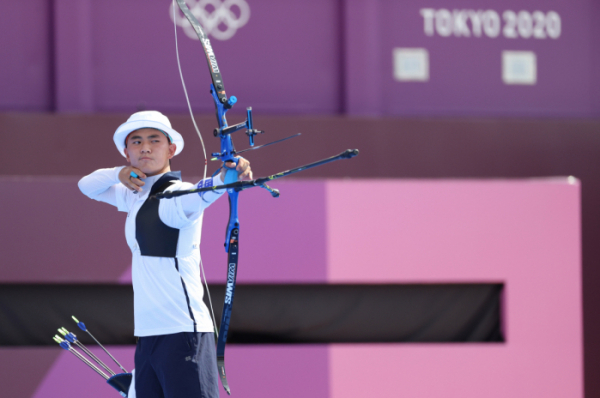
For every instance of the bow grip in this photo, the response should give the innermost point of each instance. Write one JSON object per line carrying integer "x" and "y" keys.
{"x": 231, "y": 176}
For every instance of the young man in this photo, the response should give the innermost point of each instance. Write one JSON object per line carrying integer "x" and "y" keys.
{"x": 175, "y": 354}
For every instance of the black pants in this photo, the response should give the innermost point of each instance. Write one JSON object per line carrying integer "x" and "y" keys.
{"x": 180, "y": 365}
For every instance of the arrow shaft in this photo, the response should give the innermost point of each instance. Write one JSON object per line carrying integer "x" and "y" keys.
{"x": 106, "y": 351}
{"x": 94, "y": 357}
{"x": 242, "y": 185}
{"x": 87, "y": 362}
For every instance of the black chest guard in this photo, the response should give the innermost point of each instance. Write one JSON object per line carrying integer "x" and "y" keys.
{"x": 155, "y": 238}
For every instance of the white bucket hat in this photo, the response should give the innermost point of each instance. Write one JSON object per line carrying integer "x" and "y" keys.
{"x": 147, "y": 119}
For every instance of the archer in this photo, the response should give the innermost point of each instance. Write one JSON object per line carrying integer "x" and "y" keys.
{"x": 175, "y": 353}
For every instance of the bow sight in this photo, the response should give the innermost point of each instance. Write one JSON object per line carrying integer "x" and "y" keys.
{"x": 223, "y": 131}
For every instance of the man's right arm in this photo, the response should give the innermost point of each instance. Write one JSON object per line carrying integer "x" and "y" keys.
{"x": 104, "y": 185}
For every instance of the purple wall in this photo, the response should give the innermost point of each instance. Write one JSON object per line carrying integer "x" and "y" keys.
{"x": 26, "y": 56}
{"x": 68, "y": 238}
{"x": 595, "y": 10}
{"x": 120, "y": 56}
{"x": 318, "y": 57}
{"x": 466, "y": 65}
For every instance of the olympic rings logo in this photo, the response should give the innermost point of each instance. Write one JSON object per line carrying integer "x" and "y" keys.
{"x": 221, "y": 16}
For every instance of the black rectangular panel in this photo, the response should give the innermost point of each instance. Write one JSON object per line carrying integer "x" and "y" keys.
{"x": 304, "y": 313}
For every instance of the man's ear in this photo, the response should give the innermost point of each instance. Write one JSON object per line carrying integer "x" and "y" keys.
{"x": 172, "y": 149}
{"x": 126, "y": 155}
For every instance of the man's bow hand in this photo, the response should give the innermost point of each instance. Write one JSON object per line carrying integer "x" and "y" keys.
{"x": 243, "y": 169}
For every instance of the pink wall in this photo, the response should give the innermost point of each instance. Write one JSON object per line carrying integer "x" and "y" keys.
{"x": 524, "y": 233}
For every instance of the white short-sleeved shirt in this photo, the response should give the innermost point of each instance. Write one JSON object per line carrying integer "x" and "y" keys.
{"x": 160, "y": 284}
